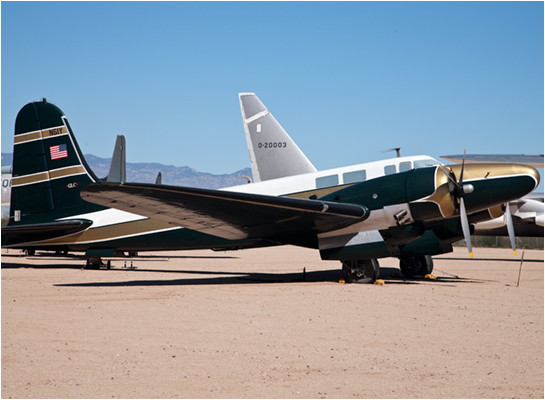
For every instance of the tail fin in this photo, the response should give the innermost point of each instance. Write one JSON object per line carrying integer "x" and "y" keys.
{"x": 6, "y": 193}
{"x": 118, "y": 166}
{"x": 49, "y": 170}
{"x": 273, "y": 154}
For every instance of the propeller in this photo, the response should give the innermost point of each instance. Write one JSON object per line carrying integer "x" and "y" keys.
{"x": 510, "y": 228}
{"x": 460, "y": 189}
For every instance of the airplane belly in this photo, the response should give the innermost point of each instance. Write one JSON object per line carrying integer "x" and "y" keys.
{"x": 361, "y": 245}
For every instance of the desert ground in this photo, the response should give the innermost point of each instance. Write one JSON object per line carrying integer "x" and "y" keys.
{"x": 270, "y": 323}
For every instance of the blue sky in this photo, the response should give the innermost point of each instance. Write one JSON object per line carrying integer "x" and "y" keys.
{"x": 345, "y": 79}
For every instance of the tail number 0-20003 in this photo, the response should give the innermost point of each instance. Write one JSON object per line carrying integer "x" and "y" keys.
{"x": 272, "y": 145}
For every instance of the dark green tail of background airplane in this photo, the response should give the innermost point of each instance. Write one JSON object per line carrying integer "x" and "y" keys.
{"x": 57, "y": 203}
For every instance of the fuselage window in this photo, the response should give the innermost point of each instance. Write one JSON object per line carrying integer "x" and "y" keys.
{"x": 327, "y": 181}
{"x": 404, "y": 166}
{"x": 389, "y": 169}
{"x": 354, "y": 176}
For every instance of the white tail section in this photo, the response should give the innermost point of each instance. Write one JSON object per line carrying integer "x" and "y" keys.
{"x": 273, "y": 154}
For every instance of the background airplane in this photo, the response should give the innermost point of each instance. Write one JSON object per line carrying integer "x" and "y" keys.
{"x": 264, "y": 134}
{"x": 6, "y": 193}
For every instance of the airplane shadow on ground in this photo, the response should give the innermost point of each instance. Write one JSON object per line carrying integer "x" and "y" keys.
{"x": 146, "y": 257}
{"x": 241, "y": 278}
{"x": 490, "y": 259}
{"x": 389, "y": 275}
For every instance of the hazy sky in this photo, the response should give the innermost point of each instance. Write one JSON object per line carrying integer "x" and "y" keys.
{"x": 345, "y": 80}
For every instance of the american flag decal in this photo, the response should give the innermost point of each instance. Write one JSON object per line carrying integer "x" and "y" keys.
{"x": 58, "y": 151}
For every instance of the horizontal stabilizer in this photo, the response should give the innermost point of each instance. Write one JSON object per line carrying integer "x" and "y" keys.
{"x": 29, "y": 233}
{"x": 229, "y": 215}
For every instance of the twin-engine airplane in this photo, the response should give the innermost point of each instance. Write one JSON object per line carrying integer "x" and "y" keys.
{"x": 522, "y": 217}
{"x": 58, "y": 204}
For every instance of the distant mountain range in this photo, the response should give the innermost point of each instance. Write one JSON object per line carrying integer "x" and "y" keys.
{"x": 171, "y": 175}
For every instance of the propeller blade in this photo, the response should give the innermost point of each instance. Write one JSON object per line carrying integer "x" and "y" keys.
{"x": 510, "y": 228}
{"x": 461, "y": 180}
{"x": 465, "y": 226}
{"x": 448, "y": 176}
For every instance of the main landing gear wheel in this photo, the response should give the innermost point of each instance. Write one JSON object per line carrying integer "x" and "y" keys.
{"x": 361, "y": 271}
{"x": 412, "y": 266}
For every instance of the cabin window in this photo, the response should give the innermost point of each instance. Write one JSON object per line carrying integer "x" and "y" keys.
{"x": 327, "y": 181}
{"x": 389, "y": 170}
{"x": 354, "y": 176}
{"x": 404, "y": 166}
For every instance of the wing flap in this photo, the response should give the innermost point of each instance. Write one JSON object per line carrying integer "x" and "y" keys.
{"x": 230, "y": 215}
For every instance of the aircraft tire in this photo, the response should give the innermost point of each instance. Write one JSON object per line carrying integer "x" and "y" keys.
{"x": 361, "y": 271}
{"x": 412, "y": 266}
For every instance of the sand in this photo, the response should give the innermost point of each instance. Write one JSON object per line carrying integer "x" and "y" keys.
{"x": 252, "y": 324}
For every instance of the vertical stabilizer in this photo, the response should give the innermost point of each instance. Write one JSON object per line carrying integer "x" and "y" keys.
{"x": 49, "y": 170}
{"x": 118, "y": 166}
{"x": 273, "y": 154}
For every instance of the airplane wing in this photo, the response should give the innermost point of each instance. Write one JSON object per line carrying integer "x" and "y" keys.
{"x": 226, "y": 214}
{"x": 533, "y": 160}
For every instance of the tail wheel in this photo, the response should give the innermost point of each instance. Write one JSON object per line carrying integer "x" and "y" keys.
{"x": 361, "y": 271}
{"x": 412, "y": 266}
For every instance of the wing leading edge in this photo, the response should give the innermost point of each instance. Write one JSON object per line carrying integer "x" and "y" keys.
{"x": 230, "y": 215}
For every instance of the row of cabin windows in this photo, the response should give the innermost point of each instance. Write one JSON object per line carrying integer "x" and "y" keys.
{"x": 360, "y": 176}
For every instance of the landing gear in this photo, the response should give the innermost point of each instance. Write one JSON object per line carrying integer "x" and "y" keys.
{"x": 361, "y": 271}
{"x": 412, "y": 266}
{"x": 95, "y": 262}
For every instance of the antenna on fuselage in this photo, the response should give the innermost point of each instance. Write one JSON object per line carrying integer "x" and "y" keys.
{"x": 397, "y": 150}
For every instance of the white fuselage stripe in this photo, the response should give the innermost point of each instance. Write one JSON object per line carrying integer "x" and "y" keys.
{"x": 110, "y": 216}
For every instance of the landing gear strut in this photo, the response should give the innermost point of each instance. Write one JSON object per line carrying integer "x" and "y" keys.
{"x": 361, "y": 271}
{"x": 412, "y": 266}
{"x": 95, "y": 262}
